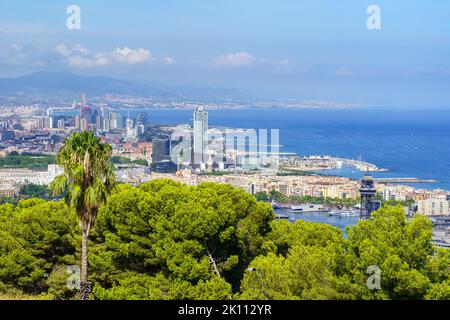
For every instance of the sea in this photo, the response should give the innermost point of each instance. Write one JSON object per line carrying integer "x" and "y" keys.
{"x": 410, "y": 143}
{"x": 342, "y": 222}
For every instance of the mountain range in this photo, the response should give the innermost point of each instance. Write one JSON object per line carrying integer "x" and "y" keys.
{"x": 47, "y": 83}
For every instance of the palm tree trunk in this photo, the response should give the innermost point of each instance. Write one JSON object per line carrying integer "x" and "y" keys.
{"x": 85, "y": 288}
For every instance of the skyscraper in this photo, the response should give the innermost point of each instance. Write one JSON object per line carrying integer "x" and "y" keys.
{"x": 99, "y": 123}
{"x": 141, "y": 119}
{"x": 129, "y": 123}
{"x": 161, "y": 150}
{"x": 117, "y": 121}
{"x": 200, "y": 135}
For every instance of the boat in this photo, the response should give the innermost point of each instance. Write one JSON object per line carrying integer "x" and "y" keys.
{"x": 349, "y": 214}
{"x": 307, "y": 208}
{"x": 280, "y": 216}
{"x": 343, "y": 213}
{"x": 275, "y": 205}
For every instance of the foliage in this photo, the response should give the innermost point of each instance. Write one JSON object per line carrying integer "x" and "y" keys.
{"x": 279, "y": 197}
{"x": 35, "y": 161}
{"x": 124, "y": 160}
{"x": 4, "y": 200}
{"x": 261, "y": 196}
{"x": 87, "y": 180}
{"x": 182, "y": 238}
{"x": 312, "y": 261}
{"x": 32, "y": 190}
{"x": 165, "y": 240}
{"x": 36, "y": 236}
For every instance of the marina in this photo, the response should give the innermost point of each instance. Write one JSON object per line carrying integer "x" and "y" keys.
{"x": 318, "y": 162}
{"x": 340, "y": 219}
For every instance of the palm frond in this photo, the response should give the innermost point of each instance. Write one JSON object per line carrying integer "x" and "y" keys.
{"x": 59, "y": 184}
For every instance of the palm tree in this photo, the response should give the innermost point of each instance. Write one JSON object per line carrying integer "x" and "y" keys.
{"x": 88, "y": 178}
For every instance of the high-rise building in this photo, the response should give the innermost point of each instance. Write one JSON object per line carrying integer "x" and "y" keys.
{"x": 141, "y": 119}
{"x": 129, "y": 123}
{"x": 99, "y": 123}
{"x": 77, "y": 122}
{"x": 161, "y": 150}
{"x": 117, "y": 121}
{"x": 200, "y": 135}
{"x": 61, "y": 124}
{"x": 84, "y": 125}
{"x": 140, "y": 129}
{"x": 49, "y": 122}
{"x": 106, "y": 124}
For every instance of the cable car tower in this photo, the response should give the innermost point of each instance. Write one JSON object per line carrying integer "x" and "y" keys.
{"x": 367, "y": 192}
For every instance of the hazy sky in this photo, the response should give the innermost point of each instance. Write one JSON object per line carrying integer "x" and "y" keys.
{"x": 310, "y": 50}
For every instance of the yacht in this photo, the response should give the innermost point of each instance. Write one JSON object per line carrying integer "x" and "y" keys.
{"x": 307, "y": 208}
{"x": 275, "y": 205}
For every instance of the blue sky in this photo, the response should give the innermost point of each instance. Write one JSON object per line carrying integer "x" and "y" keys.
{"x": 310, "y": 50}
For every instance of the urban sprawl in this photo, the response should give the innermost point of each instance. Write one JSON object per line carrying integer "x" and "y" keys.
{"x": 195, "y": 153}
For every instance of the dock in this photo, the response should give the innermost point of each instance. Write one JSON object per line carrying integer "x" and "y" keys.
{"x": 404, "y": 180}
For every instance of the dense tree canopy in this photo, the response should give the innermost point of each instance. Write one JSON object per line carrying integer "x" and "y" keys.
{"x": 37, "y": 238}
{"x": 186, "y": 240}
{"x": 29, "y": 161}
{"x": 164, "y": 240}
{"x": 313, "y": 261}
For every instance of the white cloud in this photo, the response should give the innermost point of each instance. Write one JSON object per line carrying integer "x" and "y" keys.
{"x": 17, "y": 54}
{"x": 239, "y": 59}
{"x": 80, "y": 49}
{"x": 83, "y": 61}
{"x": 168, "y": 60}
{"x": 79, "y": 56}
{"x": 130, "y": 56}
{"x": 62, "y": 50}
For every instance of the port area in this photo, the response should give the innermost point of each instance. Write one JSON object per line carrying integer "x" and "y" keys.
{"x": 288, "y": 211}
{"x": 313, "y": 163}
{"x": 403, "y": 180}
{"x": 441, "y": 230}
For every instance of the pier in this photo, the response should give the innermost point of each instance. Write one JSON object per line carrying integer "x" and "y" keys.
{"x": 359, "y": 165}
{"x": 311, "y": 163}
{"x": 404, "y": 180}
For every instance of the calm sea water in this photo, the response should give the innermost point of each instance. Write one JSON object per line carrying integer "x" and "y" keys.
{"x": 410, "y": 143}
{"x": 339, "y": 221}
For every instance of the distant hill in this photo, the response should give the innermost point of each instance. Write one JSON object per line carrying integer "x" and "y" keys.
{"x": 47, "y": 83}
{"x": 57, "y": 82}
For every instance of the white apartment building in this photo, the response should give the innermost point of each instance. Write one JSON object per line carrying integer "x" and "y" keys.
{"x": 8, "y": 190}
{"x": 393, "y": 193}
{"x": 433, "y": 207}
{"x": 24, "y": 176}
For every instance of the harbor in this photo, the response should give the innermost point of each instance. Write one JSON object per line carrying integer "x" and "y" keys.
{"x": 317, "y": 162}
{"x": 338, "y": 218}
